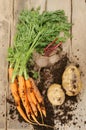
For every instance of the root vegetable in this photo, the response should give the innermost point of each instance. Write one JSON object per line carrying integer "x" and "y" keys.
{"x": 23, "y": 95}
{"x": 53, "y": 59}
{"x": 36, "y": 91}
{"x": 43, "y": 61}
{"x": 15, "y": 94}
{"x": 38, "y": 96}
{"x": 33, "y": 100}
{"x": 56, "y": 95}
{"x": 40, "y": 60}
{"x": 71, "y": 80}
{"x": 29, "y": 90}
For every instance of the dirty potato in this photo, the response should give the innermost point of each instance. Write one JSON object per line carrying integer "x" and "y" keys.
{"x": 71, "y": 80}
{"x": 55, "y": 94}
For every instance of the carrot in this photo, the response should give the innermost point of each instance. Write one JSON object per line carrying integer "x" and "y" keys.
{"x": 32, "y": 95}
{"x": 10, "y": 72}
{"x": 29, "y": 90}
{"x": 14, "y": 88}
{"x": 36, "y": 105}
{"x": 14, "y": 91}
{"x": 28, "y": 83}
{"x": 40, "y": 111}
{"x": 41, "y": 124}
{"x": 34, "y": 100}
{"x": 29, "y": 87}
{"x": 21, "y": 112}
{"x": 37, "y": 95}
{"x": 36, "y": 91}
{"x": 33, "y": 106}
{"x": 43, "y": 110}
{"x": 23, "y": 96}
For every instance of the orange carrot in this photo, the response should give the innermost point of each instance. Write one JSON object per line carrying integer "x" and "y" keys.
{"x": 22, "y": 92}
{"x": 14, "y": 91}
{"x": 14, "y": 87}
{"x": 29, "y": 90}
{"x": 43, "y": 110}
{"x": 33, "y": 106}
{"x": 23, "y": 96}
{"x": 36, "y": 91}
{"x": 10, "y": 72}
{"x": 36, "y": 105}
{"x": 21, "y": 112}
{"x": 32, "y": 95}
{"x": 30, "y": 83}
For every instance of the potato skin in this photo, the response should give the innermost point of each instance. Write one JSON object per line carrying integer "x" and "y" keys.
{"x": 56, "y": 95}
{"x": 71, "y": 81}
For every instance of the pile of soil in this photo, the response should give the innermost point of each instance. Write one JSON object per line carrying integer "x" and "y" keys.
{"x": 48, "y": 76}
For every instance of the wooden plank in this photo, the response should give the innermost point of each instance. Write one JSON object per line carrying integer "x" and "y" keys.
{"x": 38, "y": 3}
{"x": 79, "y": 19}
{"x": 79, "y": 30}
{"x": 12, "y": 117}
{"x": 59, "y": 4}
{"x": 79, "y": 53}
{"x": 17, "y": 6}
{"x": 4, "y": 43}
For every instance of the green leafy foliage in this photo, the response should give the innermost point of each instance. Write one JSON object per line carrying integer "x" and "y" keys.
{"x": 36, "y": 31}
{"x": 35, "y": 74}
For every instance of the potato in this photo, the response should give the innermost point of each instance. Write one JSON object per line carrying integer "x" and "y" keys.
{"x": 71, "y": 80}
{"x": 55, "y": 94}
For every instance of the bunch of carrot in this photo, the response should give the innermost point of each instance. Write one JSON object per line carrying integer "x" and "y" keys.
{"x": 25, "y": 91}
{"x": 34, "y": 32}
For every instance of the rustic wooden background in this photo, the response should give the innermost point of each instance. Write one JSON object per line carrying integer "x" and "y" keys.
{"x": 76, "y": 12}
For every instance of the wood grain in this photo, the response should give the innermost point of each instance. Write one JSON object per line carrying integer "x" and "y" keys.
{"x": 38, "y": 3}
{"x": 79, "y": 53}
{"x": 12, "y": 122}
{"x": 17, "y": 6}
{"x": 4, "y": 43}
{"x": 79, "y": 30}
{"x": 75, "y": 47}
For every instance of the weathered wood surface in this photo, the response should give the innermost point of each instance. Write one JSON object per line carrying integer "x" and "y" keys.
{"x": 5, "y": 7}
{"x": 9, "y": 11}
{"x": 79, "y": 53}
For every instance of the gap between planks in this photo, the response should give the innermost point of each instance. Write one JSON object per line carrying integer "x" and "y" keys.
{"x": 71, "y": 20}
{"x": 10, "y": 43}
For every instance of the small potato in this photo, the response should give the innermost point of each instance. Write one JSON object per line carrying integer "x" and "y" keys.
{"x": 55, "y": 94}
{"x": 71, "y": 80}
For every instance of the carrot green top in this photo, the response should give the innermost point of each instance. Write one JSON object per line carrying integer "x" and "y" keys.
{"x": 36, "y": 31}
